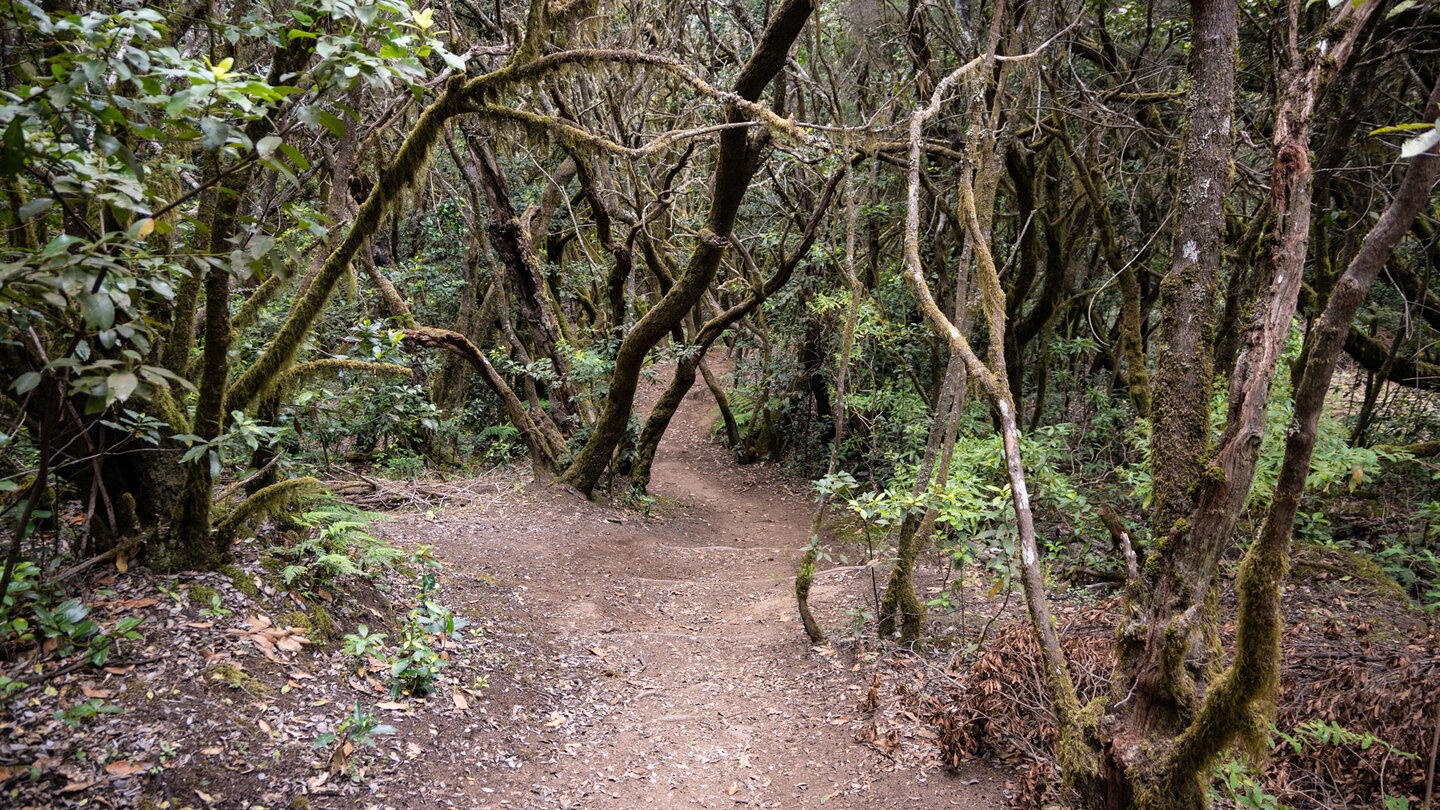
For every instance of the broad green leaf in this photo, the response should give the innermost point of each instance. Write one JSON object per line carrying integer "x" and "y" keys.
{"x": 296, "y": 159}
{"x": 132, "y": 163}
{"x": 179, "y": 102}
{"x": 330, "y": 122}
{"x": 26, "y": 382}
{"x": 122, "y": 385}
{"x": 12, "y": 155}
{"x": 98, "y": 310}
{"x": 35, "y": 206}
{"x": 213, "y": 133}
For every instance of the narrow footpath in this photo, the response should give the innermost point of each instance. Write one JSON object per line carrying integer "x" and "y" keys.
{"x": 679, "y": 675}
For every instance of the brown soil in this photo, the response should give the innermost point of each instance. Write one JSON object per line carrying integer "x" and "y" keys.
{"x": 696, "y": 687}
{"x": 617, "y": 656}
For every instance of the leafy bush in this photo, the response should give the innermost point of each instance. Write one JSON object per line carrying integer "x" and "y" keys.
{"x": 358, "y": 726}
{"x": 415, "y": 665}
{"x": 363, "y": 643}
{"x": 31, "y": 617}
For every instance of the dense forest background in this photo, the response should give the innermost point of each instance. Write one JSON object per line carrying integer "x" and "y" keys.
{"x": 1062, "y": 292}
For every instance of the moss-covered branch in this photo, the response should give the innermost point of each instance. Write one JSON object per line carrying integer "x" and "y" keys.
{"x": 545, "y": 448}
{"x": 264, "y": 503}
{"x": 736, "y": 163}
{"x": 401, "y": 171}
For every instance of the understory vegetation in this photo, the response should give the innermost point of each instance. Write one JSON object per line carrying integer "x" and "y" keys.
{"x": 1104, "y": 332}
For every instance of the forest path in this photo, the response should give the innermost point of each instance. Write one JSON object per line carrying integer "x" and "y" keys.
{"x": 680, "y": 676}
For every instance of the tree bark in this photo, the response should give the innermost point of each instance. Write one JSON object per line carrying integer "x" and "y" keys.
{"x": 1253, "y": 674}
{"x": 736, "y": 161}
{"x": 1169, "y": 671}
{"x": 660, "y": 415}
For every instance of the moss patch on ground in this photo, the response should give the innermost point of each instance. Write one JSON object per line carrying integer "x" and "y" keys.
{"x": 202, "y": 595}
{"x": 242, "y": 581}
{"x": 233, "y": 677}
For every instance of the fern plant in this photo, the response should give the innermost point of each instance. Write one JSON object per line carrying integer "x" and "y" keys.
{"x": 336, "y": 547}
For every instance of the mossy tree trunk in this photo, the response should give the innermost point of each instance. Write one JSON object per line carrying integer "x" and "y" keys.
{"x": 191, "y": 544}
{"x": 691, "y": 361}
{"x": 1167, "y": 660}
{"x": 1240, "y": 699}
{"x": 737, "y": 159}
{"x": 545, "y": 447}
{"x": 722, "y": 401}
{"x": 910, "y": 537}
{"x": 805, "y": 577}
{"x": 513, "y": 241}
{"x": 901, "y": 604}
{"x": 1180, "y": 436}
{"x": 190, "y": 538}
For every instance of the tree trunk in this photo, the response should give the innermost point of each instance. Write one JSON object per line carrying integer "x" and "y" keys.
{"x": 1168, "y": 670}
{"x": 736, "y": 161}
{"x": 190, "y": 544}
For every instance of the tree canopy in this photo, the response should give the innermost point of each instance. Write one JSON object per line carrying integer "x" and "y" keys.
{"x": 1011, "y": 281}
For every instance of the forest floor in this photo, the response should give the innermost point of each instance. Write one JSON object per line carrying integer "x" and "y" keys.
{"x": 646, "y": 655}
{"x": 640, "y": 653}
{"x": 696, "y": 687}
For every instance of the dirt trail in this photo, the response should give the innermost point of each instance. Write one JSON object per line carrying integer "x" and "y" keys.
{"x": 679, "y": 675}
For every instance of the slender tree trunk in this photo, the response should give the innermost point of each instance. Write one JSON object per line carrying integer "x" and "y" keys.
{"x": 717, "y": 390}
{"x": 1252, "y": 676}
{"x": 190, "y": 544}
{"x": 806, "y": 575}
{"x": 1168, "y": 670}
{"x": 736, "y": 162}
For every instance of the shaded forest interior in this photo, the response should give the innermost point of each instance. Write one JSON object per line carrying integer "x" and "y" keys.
{"x": 1117, "y": 316}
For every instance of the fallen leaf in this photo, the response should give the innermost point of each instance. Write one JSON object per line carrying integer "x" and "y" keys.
{"x": 556, "y": 720}
{"x": 460, "y": 702}
{"x": 733, "y": 789}
{"x": 205, "y": 797}
{"x": 394, "y": 707}
{"x": 95, "y": 693}
{"x": 126, "y": 768}
{"x": 302, "y": 676}
{"x": 139, "y": 603}
{"x": 75, "y": 787}
{"x": 212, "y": 750}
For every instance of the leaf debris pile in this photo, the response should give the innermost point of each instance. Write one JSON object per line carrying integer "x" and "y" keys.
{"x": 1357, "y": 717}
